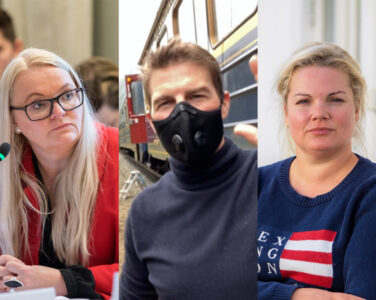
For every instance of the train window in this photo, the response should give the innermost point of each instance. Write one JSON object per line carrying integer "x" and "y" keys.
{"x": 137, "y": 97}
{"x": 225, "y": 16}
{"x": 183, "y": 20}
{"x": 201, "y": 23}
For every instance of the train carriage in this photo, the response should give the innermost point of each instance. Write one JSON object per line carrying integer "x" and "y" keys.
{"x": 228, "y": 30}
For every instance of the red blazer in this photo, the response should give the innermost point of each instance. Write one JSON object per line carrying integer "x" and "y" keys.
{"x": 104, "y": 239}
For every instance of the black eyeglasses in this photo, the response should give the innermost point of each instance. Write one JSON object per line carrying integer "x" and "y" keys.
{"x": 42, "y": 109}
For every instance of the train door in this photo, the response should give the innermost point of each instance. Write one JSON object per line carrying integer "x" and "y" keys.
{"x": 137, "y": 120}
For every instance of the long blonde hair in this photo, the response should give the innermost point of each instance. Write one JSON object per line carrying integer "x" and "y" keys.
{"x": 74, "y": 189}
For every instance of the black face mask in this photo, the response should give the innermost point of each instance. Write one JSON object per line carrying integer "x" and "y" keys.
{"x": 190, "y": 135}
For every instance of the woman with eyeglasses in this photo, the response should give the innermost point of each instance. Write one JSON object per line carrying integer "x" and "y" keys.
{"x": 59, "y": 184}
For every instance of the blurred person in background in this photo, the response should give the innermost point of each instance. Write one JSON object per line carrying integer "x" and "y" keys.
{"x": 10, "y": 46}
{"x": 59, "y": 187}
{"x": 101, "y": 81}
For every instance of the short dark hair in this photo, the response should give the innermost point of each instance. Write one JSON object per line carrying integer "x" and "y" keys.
{"x": 176, "y": 52}
{"x": 6, "y": 26}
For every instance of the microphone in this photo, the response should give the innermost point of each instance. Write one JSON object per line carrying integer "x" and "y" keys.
{"x": 4, "y": 150}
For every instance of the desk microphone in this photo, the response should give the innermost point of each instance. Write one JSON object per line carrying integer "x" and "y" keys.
{"x": 4, "y": 150}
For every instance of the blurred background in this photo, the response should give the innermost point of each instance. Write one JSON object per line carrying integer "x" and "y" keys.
{"x": 284, "y": 26}
{"x": 74, "y": 29}
{"x": 84, "y": 33}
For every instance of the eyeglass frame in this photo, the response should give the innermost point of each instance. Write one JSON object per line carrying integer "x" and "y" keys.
{"x": 52, "y": 100}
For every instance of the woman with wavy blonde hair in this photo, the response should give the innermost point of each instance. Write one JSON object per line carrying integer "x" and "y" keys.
{"x": 317, "y": 209}
{"x": 58, "y": 193}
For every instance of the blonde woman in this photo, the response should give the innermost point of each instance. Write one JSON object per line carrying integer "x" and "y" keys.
{"x": 317, "y": 210}
{"x": 59, "y": 187}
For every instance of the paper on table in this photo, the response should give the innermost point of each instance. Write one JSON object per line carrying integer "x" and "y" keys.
{"x": 38, "y": 294}
{"x": 64, "y": 298}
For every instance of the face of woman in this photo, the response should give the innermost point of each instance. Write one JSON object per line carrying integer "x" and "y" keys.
{"x": 62, "y": 129}
{"x": 320, "y": 110}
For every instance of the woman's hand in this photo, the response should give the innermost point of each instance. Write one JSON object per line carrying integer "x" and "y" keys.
{"x": 32, "y": 277}
{"x": 4, "y": 259}
{"x": 313, "y": 294}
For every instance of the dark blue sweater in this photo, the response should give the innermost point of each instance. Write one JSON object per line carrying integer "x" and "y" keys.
{"x": 325, "y": 242}
{"x": 192, "y": 235}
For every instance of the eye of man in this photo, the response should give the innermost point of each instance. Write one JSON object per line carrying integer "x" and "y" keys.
{"x": 163, "y": 103}
{"x": 196, "y": 96}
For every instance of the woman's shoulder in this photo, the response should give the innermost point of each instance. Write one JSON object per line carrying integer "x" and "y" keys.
{"x": 274, "y": 174}
{"x": 366, "y": 165}
{"x": 108, "y": 146}
{"x": 277, "y": 166}
{"x": 108, "y": 137}
{"x": 365, "y": 173}
{"x": 107, "y": 131}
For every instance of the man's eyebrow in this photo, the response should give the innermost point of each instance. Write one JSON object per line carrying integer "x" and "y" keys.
{"x": 203, "y": 89}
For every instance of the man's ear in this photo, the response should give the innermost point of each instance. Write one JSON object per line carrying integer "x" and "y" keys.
{"x": 225, "y": 104}
{"x": 18, "y": 46}
{"x": 148, "y": 111}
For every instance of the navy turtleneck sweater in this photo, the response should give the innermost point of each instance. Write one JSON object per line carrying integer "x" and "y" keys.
{"x": 192, "y": 235}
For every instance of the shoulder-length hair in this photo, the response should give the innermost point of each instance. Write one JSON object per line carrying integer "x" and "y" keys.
{"x": 74, "y": 189}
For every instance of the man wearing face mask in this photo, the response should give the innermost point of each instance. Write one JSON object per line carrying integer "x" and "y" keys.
{"x": 192, "y": 235}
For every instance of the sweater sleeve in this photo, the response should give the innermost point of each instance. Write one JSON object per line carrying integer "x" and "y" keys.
{"x": 134, "y": 283}
{"x": 359, "y": 261}
{"x": 103, "y": 275}
{"x": 79, "y": 282}
{"x": 273, "y": 290}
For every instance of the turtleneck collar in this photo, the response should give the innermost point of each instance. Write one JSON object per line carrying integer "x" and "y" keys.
{"x": 220, "y": 166}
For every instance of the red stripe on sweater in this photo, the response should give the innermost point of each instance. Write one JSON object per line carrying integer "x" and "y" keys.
{"x": 308, "y": 256}
{"x": 316, "y": 280}
{"x": 326, "y": 235}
